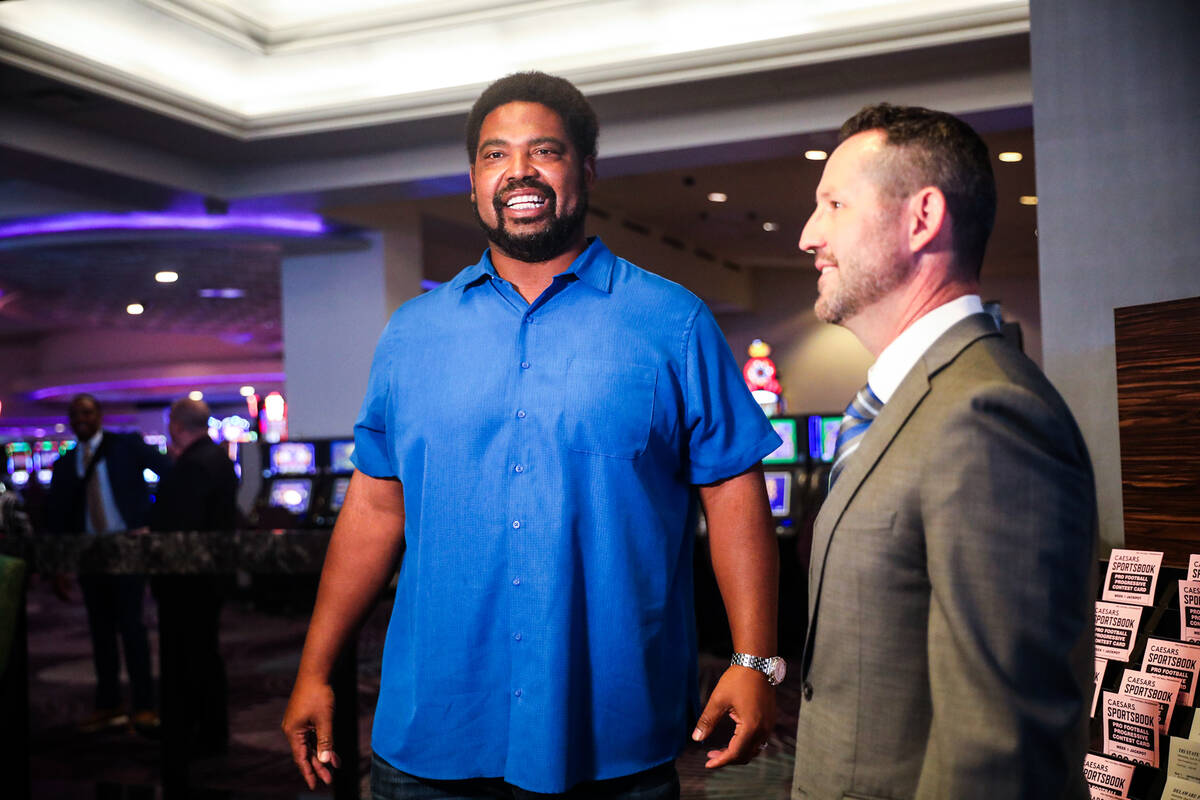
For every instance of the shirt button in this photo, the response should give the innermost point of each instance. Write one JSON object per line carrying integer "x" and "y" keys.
{"x": 807, "y": 690}
{"x": 517, "y": 636}
{"x": 518, "y": 468}
{"x": 516, "y": 692}
{"x": 521, "y": 414}
{"x": 516, "y": 523}
{"x": 516, "y": 581}
{"x": 524, "y": 365}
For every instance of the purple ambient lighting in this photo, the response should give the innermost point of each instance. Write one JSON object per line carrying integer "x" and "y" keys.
{"x": 292, "y": 224}
{"x": 227, "y": 294}
{"x": 157, "y": 383}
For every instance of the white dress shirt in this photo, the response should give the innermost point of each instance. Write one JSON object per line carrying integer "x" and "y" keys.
{"x": 112, "y": 516}
{"x": 885, "y": 375}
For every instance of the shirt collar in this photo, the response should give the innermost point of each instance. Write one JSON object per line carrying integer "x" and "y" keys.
{"x": 594, "y": 266}
{"x": 898, "y": 358}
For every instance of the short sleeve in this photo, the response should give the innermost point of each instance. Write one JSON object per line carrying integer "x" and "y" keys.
{"x": 727, "y": 432}
{"x": 371, "y": 452}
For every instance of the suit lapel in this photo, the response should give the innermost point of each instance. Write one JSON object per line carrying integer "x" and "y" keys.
{"x": 906, "y": 399}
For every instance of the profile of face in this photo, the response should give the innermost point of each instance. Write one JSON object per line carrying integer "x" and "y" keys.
{"x": 855, "y": 232}
{"x": 529, "y": 186}
{"x": 84, "y": 417}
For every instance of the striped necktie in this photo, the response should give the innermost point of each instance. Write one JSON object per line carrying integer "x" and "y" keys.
{"x": 859, "y": 415}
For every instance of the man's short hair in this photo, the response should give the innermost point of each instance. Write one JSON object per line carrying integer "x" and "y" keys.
{"x": 934, "y": 148}
{"x": 557, "y": 94}
{"x": 83, "y": 397}
{"x": 191, "y": 415}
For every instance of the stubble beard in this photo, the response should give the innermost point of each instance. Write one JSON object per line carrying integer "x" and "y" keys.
{"x": 556, "y": 236}
{"x": 860, "y": 284}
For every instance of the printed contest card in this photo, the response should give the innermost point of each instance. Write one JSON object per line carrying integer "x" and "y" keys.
{"x": 1107, "y": 776}
{"x": 1116, "y": 630}
{"x": 1174, "y": 659}
{"x": 1189, "y": 611}
{"x": 1193, "y": 573}
{"x": 1097, "y": 679}
{"x": 1183, "y": 759}
{"x": 1132, "y": 576}
{"x": 1162, "y": 689}
{"x": 1178, "y": 788}
{"x": 1131, "y": 729}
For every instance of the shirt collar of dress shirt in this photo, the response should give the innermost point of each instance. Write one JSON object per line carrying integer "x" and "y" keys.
{"x": 594, "y": 266}
{"x": 898, "y": 358}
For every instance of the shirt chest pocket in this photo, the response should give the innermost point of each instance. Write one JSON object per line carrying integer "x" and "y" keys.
{"x": 608, "y": 407}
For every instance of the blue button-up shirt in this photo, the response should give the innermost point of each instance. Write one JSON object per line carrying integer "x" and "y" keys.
{"x": 543, "y": 628}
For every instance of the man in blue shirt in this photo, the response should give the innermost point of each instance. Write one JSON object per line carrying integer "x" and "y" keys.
{"x": 543, "y": 636}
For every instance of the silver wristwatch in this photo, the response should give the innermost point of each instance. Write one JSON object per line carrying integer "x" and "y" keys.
{"x": 775, "y": 668}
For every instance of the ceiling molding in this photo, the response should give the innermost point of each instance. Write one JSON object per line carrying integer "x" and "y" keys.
{"x": 294, "y": 107}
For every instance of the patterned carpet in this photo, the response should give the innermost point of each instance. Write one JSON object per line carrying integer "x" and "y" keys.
{"x": 262, "y": 648}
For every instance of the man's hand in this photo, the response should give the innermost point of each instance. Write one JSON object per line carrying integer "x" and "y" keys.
{"x": 308, "y": 726}
{"x": 749, "y": 700}
{"x": 60, "y": 583}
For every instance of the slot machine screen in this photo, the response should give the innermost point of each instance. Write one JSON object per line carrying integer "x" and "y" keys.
{"x": 788, "y": 452}
{"x": 822, "y": 436}
{"x": 779, "y": 492}
{"x": 44, "y": 456}
{"x": 339, "y": 456}
{"x": 293, "y": 458}
{"x": 20, "y": 462}
{"x": 337, "y": 496}
{"x": 294, "y": 495}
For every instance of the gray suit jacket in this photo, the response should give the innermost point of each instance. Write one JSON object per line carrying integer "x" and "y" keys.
{"x": 951, "y": 591}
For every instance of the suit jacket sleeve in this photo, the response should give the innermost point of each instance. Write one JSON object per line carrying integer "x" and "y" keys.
{"x": 1009, "y": 531}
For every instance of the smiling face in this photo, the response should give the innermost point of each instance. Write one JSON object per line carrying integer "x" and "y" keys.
{"x": 529, "y": 186}
{"x": 856, "y": 232}
{"x": 85, "y": 418}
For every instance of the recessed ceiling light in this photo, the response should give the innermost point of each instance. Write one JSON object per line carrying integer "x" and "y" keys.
{"x": 770, "y": 226}
{"x": 227, "y": 293}
{"x": 816, "y": 155}
{"x": 134, "y": 309}
{"x": 246, "y": 391}
{"x": 1010, "y": 156}
{"x": 718, "y": 197}
{"x": 166, "y": 276}
{"x": 1027, "y": 199}
{"x": 195, "y": 394}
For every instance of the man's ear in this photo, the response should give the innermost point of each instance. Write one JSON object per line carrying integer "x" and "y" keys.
{"x": 927, "y": 218}
{"x": 471, "y": 177}
{"x": 589, "y": 171}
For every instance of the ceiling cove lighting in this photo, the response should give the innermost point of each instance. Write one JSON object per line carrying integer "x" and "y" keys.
{"x": 227, "y": 293}
{"x": 97, "y": 387}
{"x": 166, "y": 276}
{"x": 1010, "y": 157}
{"x": 134, "y": 309}
{"x": 285, "y": 224}
{"x": 816, "y": 155}
{"x": 717, "y": 197}
{"x": 1027, "y": 199}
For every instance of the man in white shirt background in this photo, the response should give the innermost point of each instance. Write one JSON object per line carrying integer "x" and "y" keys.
{"x": 950, "y": 639}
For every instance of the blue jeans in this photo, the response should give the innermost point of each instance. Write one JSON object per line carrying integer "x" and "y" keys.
{"x": 389, "y": 783}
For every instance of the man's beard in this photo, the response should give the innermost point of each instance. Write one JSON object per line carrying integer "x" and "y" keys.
{"x": 558, "y": 235}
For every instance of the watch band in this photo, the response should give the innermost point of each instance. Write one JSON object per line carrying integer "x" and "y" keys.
{"x": 774, "y": 667}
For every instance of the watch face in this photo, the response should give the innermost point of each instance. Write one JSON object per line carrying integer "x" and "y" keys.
{"x": 778, "y": 670}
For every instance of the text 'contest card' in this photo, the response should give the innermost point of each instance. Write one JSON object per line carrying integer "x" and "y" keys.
{"x": 1116, "y": 630}
{"x": 1189, "y": 611}
{"x": 1162, "y": 689}
{"x": 1107, "y": 777}
{"x": 1097, "y": 679}
{"x": 1131, "y": 728}
{"x": 1175, "y": 659}
{"x": 1178, "y": 788}
{"x": 1132, "y": 576}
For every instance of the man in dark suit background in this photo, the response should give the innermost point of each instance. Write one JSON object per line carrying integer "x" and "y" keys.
{"x": 97, "y": 489}
{"x": 950, "y": 602}
{"x": 199, "y": 494}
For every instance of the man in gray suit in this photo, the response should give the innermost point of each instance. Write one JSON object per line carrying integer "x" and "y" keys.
{"x": 950, "y": 603}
